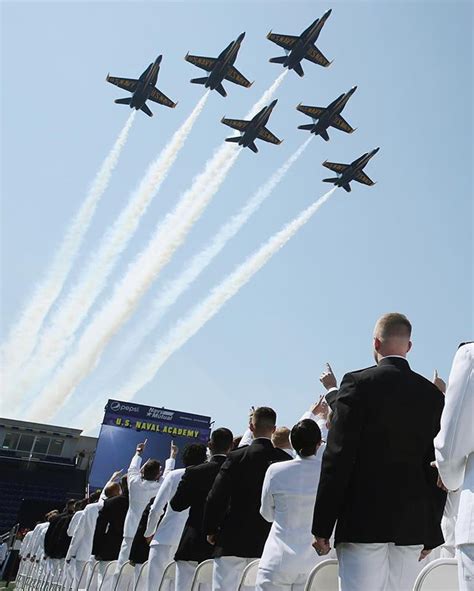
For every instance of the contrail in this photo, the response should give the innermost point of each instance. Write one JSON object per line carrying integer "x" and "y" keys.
{"x": 23, "y": 337}
{"x": 171, "y": 292}
{"x": 209, "y": 307}
{"x": 68, "y": 318}
{"x": 168, "y": 236}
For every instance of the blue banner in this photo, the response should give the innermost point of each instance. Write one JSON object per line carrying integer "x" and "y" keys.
{"x": 126, "y": 424}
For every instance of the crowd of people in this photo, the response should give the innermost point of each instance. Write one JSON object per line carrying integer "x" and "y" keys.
{"x": 366, "y": 475}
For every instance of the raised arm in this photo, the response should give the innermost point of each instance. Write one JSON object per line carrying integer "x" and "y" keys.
{"x": 455, "y": 440}
{"x": 185, "y": 492}
{"x": 162, "y": 498}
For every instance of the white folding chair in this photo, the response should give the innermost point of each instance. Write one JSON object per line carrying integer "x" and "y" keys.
{"x": 92, "y": 581}
{"x": 141, "y": 584}
{"x": 84, "y": 576}
{"x": 169, "y": 574}
{"x": 439, "y": 575}
{"x": 249, "y": 576}
{"x": 202, "y": 574}
{"x": 107, "y": 581}
{"x": 125, "y": 578}
{"x": 324, "y": 577}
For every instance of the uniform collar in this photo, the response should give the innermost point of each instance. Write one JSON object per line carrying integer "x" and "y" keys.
{"x": 396, "y": 360}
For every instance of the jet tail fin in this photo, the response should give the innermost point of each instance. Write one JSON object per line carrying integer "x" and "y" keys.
{"x": 299, "y": 70}
{"x": 147, "y": 110}
{"x": 347, "y": 187}
{"x": 123, "y": 101}
{"x": 234, "y": 140}
{"x": 221, "y": 90}
{"x": 332, "y": 180}
{"x": 198, "y": 80}
{"x": 324, "y": 134}
{"x": 253, "y": 147}
{"x": 277, "y": 60}
{"x": 307, "y": 127}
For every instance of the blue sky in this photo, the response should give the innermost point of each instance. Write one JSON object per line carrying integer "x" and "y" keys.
{"x": 404, "y": 244}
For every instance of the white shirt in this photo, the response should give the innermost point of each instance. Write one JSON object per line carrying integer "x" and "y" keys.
{"x": 83, "y": 536}
{"x": 169, "y": 531}
{"x": 140, "y": 492}
{"x": 25, "y": 544}
{"x": 73, "y": 523}
{"x": 288, "y": 497}
{"x": 454, "y": 444}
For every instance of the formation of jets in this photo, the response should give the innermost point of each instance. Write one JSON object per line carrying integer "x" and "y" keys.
{"x": 297, "y": 48}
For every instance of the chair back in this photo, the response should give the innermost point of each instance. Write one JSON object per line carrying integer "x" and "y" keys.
{"x": 249, "y": 576}
{"x": 202, "y": 574}
{"x": 92, "y": 578}
{"x": 82, "y": 582}
{"x": 142, "y": 579}
{"x": 125, "y": 579}
{"x": 438, "y": 575}
{"x": 106, "y": 583}
{"x": 169, "y": 574}
{"x": 324, "y": 577}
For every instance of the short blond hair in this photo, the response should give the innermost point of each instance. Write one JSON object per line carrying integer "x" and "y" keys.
{"x": 392, "y": 325}
{"x": 281, "y": 438}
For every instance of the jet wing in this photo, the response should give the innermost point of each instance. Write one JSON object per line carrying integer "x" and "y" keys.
{"x": 238, "y": 124}
{"x": 361, "y": 177}
{"x": 314, "y": 112}
{"x": 340, "y": 123}
{"x": 285, "y": 41}
{"x": 235, "y": 76}
{"x": 158, "y": 97}
{"x": 126, "y": 83}
{"x": 267, "y": 136}
{"x": 336, "y": 166}
{"x": 314, "y": 55}
{"x": 205, "y": 63}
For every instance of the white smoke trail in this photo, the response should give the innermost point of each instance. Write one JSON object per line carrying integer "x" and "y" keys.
{"x": 171, "y": 292}
{"x": 92, "y": 281}
{"x": 23, "y": 337}
{"x": 187, "y": 327}
{"x": 266, "y": 96}
{"x": 168, "y": 236}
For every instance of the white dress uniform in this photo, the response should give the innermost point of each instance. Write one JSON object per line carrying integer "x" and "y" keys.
{"x": 80, "y": 548}
{"x": 140, "y": 492}
{"x": 454, "y": 446}
{"x": 168, "y": 533}
{"x": 288, "y": 497}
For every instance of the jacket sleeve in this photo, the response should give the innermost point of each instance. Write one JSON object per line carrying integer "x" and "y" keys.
{"x": 77, "y": 535}
{"x": 247, "y": 438}
{"x": 267, "y": 507}
{"x": 133, "y": 473}
{"x": 163, "y": 497}
{"x": 184, "y": 494}
{"x": 218, "y": 498}
{"x": 455, "y": 440}
{"x": 339, "y": 456}
{"x": 100, "y": 529}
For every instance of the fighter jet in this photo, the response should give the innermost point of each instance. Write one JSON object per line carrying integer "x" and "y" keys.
{"x": 253, "y": 129}
{"x": 142, "y": 89}
{"x": 302, "y": 47}
{"x": 330, "y": 116}
{"x": 220, "y": 68}
{"x": 350, "y": 172}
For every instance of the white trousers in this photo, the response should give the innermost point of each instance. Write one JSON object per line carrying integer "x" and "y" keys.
{"x": 378, "y": 567}
{"x": 270, "y": 581}
{"x": 184, "y": 574}
{"x": 465, "y": 556}
{"x": 228, "y": 571}
{"x": 124, "y": 552}
{"x": 160, "y": 556}
{"x": 78, "y": 568}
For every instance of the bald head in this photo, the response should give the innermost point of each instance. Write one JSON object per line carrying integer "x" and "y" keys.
{"x": 392, "y": 335}
{"x": 281, "y": 438}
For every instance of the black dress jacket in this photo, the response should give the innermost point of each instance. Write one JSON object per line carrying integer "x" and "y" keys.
{"x": 233, "y": 504}
{"x": 376, "y": 479}
{"x": 56, "y": 540}
{"x": 108, "y": 534}
{"x": 191, "y": 494}
{"x": 140, "y": 549}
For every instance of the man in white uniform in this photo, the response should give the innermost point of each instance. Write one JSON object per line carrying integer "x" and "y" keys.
{"x": 143, "y": 484}
{"x": 80, "y": 549}
{"x": 454, "y": 448}
{"x": 164, "y": 538}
